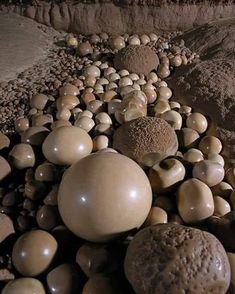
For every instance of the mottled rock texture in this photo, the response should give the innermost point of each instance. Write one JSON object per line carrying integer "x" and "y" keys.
{"x": 170, "y": 258}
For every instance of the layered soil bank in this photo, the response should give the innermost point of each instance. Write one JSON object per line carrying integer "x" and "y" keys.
{"x": 122, "y": 16}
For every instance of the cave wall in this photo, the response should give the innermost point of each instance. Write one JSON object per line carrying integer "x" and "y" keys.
{"x": 119, "y": 16}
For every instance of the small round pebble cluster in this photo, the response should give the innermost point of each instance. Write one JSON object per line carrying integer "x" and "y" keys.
{"x": 99, "y": 156}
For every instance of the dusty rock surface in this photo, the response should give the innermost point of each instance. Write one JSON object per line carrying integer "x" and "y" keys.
{"x": 209, "y": 85}
{"x": 23, "y": 43}
{"x": 121, "y": 16}
{"x": 138, "y": 59}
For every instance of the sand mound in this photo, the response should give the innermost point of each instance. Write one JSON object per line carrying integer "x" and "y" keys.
{"x": 23, "y": 43}
{"x": 209, "y": 85}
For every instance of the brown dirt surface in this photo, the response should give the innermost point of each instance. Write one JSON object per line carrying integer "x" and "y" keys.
{"x": 23, "y": 43}
{"x": 209, "y": 84}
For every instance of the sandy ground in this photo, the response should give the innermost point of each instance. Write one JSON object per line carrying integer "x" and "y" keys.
{"x": 23, "y": 43}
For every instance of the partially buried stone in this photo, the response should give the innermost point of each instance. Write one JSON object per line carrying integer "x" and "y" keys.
{"x": 64, "y": 279}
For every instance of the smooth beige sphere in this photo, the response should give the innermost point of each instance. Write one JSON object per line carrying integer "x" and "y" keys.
{"x": 22, "y": 156}
{"x": 195, "y": 201}
{"x": 222, "y": 206}
{"x": 197, "y": 122}
{"x": 210, "y": 144}
{"x": 157, "y": 215}
{"x": 216, "y": 158}
{"x": 24, "y": 286}
{"x": 193, "y": 155}
{"x": 85, "y": 122}
{"x": 173, "y": 118}
{"x": 118, "y": 43}
{"x": 66, "y": 145}
{"x": 209, "y": 172}
{"x": 100, "y": 142}
{"x": 33, "y": 252}
{"x": 103, "y": 196}
{"x": 164, "y": 93}
{"x": 188, "y": 138}
{"x": 69, "y": 90}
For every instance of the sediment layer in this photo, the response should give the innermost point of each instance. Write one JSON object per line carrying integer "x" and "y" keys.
{"x": 126, "y": 16}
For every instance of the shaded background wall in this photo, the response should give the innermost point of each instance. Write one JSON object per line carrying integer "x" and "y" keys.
{"x": 121, "y": 16}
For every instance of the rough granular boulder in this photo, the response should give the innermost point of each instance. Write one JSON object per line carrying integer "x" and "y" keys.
{"x": 169, "y": 258}
{"x": 137, "y": 59}
{"x": 147, "y": 140}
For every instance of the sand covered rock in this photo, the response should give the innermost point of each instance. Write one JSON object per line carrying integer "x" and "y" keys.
{"x": 136, "y": 59}
{"x": 209, "y": 85}
{"x": 23, "y": 43}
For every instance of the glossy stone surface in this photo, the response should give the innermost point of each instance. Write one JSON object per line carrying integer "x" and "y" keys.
{"x": 104, "y": 195}
{"x": 33, "y": 252}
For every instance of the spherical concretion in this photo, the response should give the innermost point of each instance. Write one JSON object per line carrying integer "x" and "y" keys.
{"x": 209, "y": 172}
{"x": 136, "y": 59}
{"x": 166, "y": 258}
{"x": 33, "y": 252}
{"x": 64, "y": 279}
{"x": 195, "y": 201}
{"x": 147, "y": 140}
{"x": 24, "y": 286}
{"x": 66, "y": 145}
{"x": 100, "y": 188}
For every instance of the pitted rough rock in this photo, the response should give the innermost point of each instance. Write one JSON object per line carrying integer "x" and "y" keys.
{"x": 168, "y": 257}
{"x": 145, "y": 135}
{"x": 209, "y": 85}
{"x": 136, "y": 59}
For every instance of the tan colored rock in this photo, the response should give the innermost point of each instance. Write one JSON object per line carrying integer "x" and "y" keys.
{"x": 6, "y": 227}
